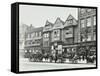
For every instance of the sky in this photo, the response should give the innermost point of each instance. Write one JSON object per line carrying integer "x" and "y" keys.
{"x": 38, "y": 15}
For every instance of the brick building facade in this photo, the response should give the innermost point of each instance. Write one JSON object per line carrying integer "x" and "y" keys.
{"x": 33, "y": 40}
{"x": 87, "y": 30}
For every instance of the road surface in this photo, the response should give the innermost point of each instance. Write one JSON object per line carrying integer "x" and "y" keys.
{"x": 25, "y": 65}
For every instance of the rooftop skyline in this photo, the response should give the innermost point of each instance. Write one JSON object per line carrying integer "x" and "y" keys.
{"x": 38, "y": 15}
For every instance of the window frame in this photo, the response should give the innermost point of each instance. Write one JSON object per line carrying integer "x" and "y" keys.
{"x": 87, "y": 22}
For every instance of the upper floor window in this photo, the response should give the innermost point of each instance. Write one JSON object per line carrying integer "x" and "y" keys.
{"x": 29, "y": 36}
{"x": 82, "y": 11}
{"x": 82, "y": 38}
{"x": 46, "y": 35}
{"x": 89, "y": 10}
{"x": 88, "y": 22}
{"x": 39, "y": 33}
{"x": 46, "y": 43}
{"x": 94, "y": 20}
{"x": 70, "y": 21}
{"x": 89, "y": 37}
{"x": 36, "y": 34}
{"x": 56, "y": 33}
{"x": 69, "y": 31}
{"x": 82, "y": 23}
{"x": 32, "y": 34}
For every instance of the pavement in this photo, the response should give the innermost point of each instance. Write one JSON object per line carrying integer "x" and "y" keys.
{"x": 25, "y": 65}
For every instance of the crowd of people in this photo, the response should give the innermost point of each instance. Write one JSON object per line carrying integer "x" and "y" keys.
{"x": 61, "y": 57}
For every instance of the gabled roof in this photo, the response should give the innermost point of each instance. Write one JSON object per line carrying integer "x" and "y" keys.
{"x": 58, "y": 20}
{"x": 70, "y": 17}
{"x": 48, "y": 26}
{"x": 74, "y": 21}
{"x": 58, "y": 23}
{"x": 48, "y": 23}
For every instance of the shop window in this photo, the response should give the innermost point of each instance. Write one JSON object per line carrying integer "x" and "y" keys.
{"x": 88, "y": 22}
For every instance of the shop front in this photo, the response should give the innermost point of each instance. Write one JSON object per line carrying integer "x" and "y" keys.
{"x": 87, "y": 51}
{"x": 69, "y": 52}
